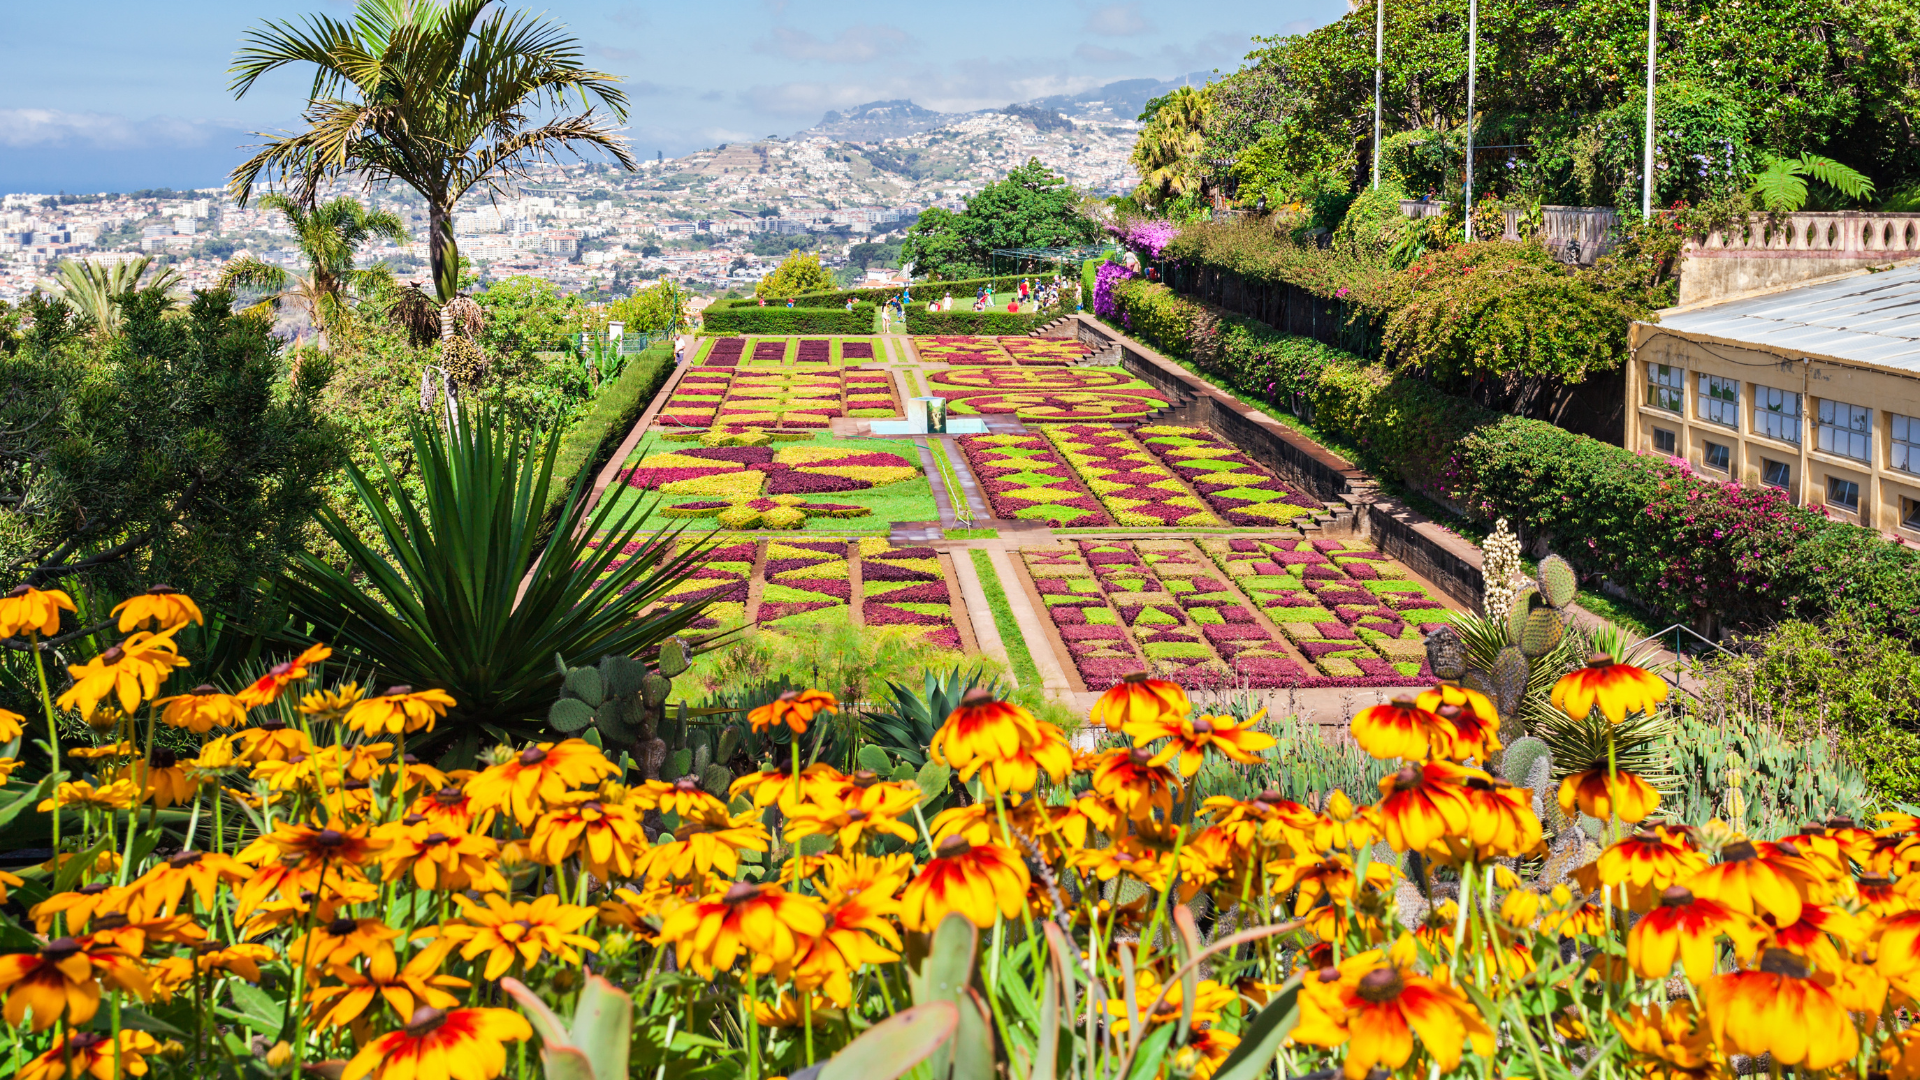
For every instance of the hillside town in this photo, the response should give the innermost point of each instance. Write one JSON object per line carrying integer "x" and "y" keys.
{"x": 712, "y": 220}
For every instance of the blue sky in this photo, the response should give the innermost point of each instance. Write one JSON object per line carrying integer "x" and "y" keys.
{"x": 124, "y": 94}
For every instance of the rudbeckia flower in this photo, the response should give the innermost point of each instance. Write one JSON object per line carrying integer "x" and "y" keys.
{"x": 1683, "y": 926}
{"x": 438, "y": 860}
{"x": 1136, "y": 699}
{"x": 1210, "y": 999}
{"x": 976, "y": 881}
{"x": 794, "y": 708}
{"x": 406, "y": 990}
{"x": 1331, "y": 877}
{"x": 92, "y": 1053}
{"x": 1376, "y": 1004}
{"x": 27, "y": 610}
{"x": 402, "y": 709}
{"x": 857, "y": 923}
{"x": 1004, "y": 739}
{"x": 62, "y": 980}
{"x": 160, "y": 780}
{"x": 1344, "y": 827}
{"x": 1472, "y": 716}
{"x": 1422, "y": 805}
{"x": 1672, "y": 1042}
{"x": 131, "y": 672}
{"x": 1131, "y": 859}
{"x": 1604, "y": 796}
{"x": 527, "y": 782}
{"x": 1778, "y": 1010}
{"x": 451, "y": 810}
{"x": 11, "y": 725}
{"x": 1189, "y": 739}
{"x": 1136, "y": 785}
{"x": 768, "y": 787}
{"x": 333, "y": 844}
{"x": 1615, "y": 689}
{"x": 464, "y": 1044}
{"x": 163, "y": 887}
{"x": 606, "y": 835}
{"x": 79, "y": 905}
{"x": 1743, "y": 880}
{"x": 1648, "y": 861}
{"x": 340, "y": 940}
{"x": 768, "y": 925}
{"x": 686, "y": 798}
{"x": 266, "y": 689}
{"x": 271, "y": 740}
{"x": 703, "y": 847}
{"x": 870, "y": 809}
{"x": 118, "y": 795}
{"x": 1401, "y": 729}
{"x": 327, "y": 706}
{"x": 163, "y": 605}
{"x": 1500, "y": 821}
{"x": 1819, "y": 935}
{"x": 201, "y": 709}
{"x": 527, "y": 930}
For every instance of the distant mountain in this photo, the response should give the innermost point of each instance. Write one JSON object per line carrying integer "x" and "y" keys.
{"x": 1122, "y": 100}
{"x": 878, "y": 120}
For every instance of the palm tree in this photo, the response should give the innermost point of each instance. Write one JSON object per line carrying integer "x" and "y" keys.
{"x": 1168, "y": 151}
{"x": 328, "y": 235}
{"x": 93, "y": 289}
{"x": 430, "y": 94}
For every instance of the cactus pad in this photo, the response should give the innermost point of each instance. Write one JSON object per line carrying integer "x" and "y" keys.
{"x": 1509, "y": 679}
{"x": 1558, "y": 583}
{"x": 1523, "y": 598}
{"x": 1544, "y": 631}
{"x": 1446, "y": 653}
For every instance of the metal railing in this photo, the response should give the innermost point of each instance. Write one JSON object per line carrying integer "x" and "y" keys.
{"x": 1676, "y": 630}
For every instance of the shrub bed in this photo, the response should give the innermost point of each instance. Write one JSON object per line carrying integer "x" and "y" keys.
{"x": 1682, "y": 545}
{"x": 591, "y": 440}
{"x": 747, "y": 317}
{"x": 922, "y": 321}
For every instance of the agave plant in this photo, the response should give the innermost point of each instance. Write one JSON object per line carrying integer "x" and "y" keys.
{"x": 472, "y": 595}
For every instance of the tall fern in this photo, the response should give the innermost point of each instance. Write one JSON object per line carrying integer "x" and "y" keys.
{"x": 1781, "y": 182}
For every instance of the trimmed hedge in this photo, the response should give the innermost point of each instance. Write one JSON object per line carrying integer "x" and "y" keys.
{"x": 960, "y": 287}
{"x": 593, "y": 438}
{"x": 922, "y": 321}
{"x": 1680, "y": 544}
{"x": 750, "y": 318}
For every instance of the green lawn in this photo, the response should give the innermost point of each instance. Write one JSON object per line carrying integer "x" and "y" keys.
{"x": 1025, "y": 671}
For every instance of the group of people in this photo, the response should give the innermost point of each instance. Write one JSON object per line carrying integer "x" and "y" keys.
{"x": 1042, "y": 294}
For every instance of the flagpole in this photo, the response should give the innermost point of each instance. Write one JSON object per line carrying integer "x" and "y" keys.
{"x": 1646, "y": 178}
{"x": 1379, "y": 58}
{"x": 1473, "y": 55}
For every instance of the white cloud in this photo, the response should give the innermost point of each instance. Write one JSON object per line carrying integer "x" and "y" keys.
{"x": 967, "y": 86}
{"x": 104, "y": 131}
{"x": 1117, "y": 20}
{"x": 853, "y": 45}
{"x": 1100, "y": 54}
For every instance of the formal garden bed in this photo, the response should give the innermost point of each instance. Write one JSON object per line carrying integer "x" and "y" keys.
{"x": 1001, "y": 351}
{"x": 1047, "y": 394}
{"x": 808, "y": 481}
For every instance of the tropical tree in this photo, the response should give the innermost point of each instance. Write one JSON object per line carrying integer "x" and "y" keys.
{"x": 1032, "y": 208}
{"x": 434, "y": 95}
{"x": 1170, "y": 150}
{"x": 94, "y": 290}
{"x": 328, "y": 235}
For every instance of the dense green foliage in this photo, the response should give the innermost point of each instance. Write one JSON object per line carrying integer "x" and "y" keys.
{"x": 963, "y": 290}
{"x": 1841, "y": 678}
{"x": 657, "y": 310}
{"x": 1681, "y": 545}
{"x": 922, "y": 321}
{"x": 592, "y": 438}
{"x": 746, "y": 317}
{"x": 465, "y": 591}
{"x": 798, "y": 273}
{"x": 1559, "y": 100}
{"x": 1032, "y": 208}
{"x": 182, "y": 451}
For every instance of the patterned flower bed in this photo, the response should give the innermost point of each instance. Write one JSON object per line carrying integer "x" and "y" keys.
{"x": 904, "y": 586}
{"x": 856, "y": 350}
{"x": 769, "y": 352}
{"x": 696, "y": 397}
{"x": 1095, "y": 638}
{"x": 722, "y": 575}
{"x": 1047, "y": 394}
{"x": 802, "y": 576}
{"x": 1350, "y": 609}
{"x": 762, "y": 487}
{"x": 1136, "y": 490}
{"x": 870, "y": 393}
{"x": 791, "y": 399}
{"x": 1044, "y": 352}
{"x": 1025, "y": 478}
{"x": 965, "y": 351}
{"x": 726, "y": 352}
{"x": 1229, "y": 481}
{"x": 813, "y": 351}
{"x": 1222, "y": 615}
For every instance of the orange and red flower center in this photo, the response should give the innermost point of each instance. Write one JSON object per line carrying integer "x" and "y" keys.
{"x": 426, "y": 1019}
{"x": 952, "y": 847}
{"x": 532, "y": 756}
{"x": 1380, "y": 985}
{"x": 1676, "y": 896}
{"x": 1782, "y": 962}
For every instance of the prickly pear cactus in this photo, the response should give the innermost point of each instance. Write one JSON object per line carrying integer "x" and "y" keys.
{"x": 1446, "y": 654}
{"x": 1558, "y": 583}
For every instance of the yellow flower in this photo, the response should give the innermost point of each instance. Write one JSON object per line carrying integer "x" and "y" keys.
{"x": 161, "y": 779}
{"x": 703, "y": 847}
{"x": 340, "y": 940}
{"x": 1189, "y": 739}
{"x": 266, "y": 689}
{"x": 132, "y": 671}
{"x": 1209, "y": 1000}
{"x": 768, "y": 925}
{"x": 1777, "y": 1009}
{"x": 1614, "y": 689}
{"x": 527, "y": 782}
{"x": 1002, "y": 738}
{"x": 465, "y": 1044}
{"x": 503, "y": 932}
{"x": 870, "y": 809}
{"x": 605, "y": 834}
{"x": 1599, "y": 795}
{"x": 118, "y": 795}
{"x": 978, "y": 882}
{"x": 163, "y": 605}
{"x": 1376, "y": 1005}
{"x": 11, "y": 725}
{"x": 202, "y": 709}
{"x": 27, "y": 610}
{"x": 857, "y": 923}
{"x": 63, "y": 979}
{"x": 400, "y": 709}
{"x": 162, "y": 888}
{"x": 326, "y": 706}
{"x": 453, "y": 861}
{"x": 1672, "y": 1043}
{"x": 405, "y": 990}
{"x": 1137, "y": 698}
{"x": 795, "y": 709}
{"x": 92, "y": 1053}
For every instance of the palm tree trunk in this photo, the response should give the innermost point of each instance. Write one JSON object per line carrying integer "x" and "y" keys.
{"x": 445, "y": 257}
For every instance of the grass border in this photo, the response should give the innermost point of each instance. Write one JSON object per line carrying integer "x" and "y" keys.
{"x": 1019, "y": 658}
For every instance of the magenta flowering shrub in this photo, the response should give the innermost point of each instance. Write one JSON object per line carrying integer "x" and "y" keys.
{"x": 1104, "y": 280}
{"x": 1145, "y": 237}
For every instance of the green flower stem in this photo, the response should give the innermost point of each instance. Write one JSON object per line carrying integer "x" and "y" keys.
{"x": 752, "y": 1024}
{"x": 53, "y": 744}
